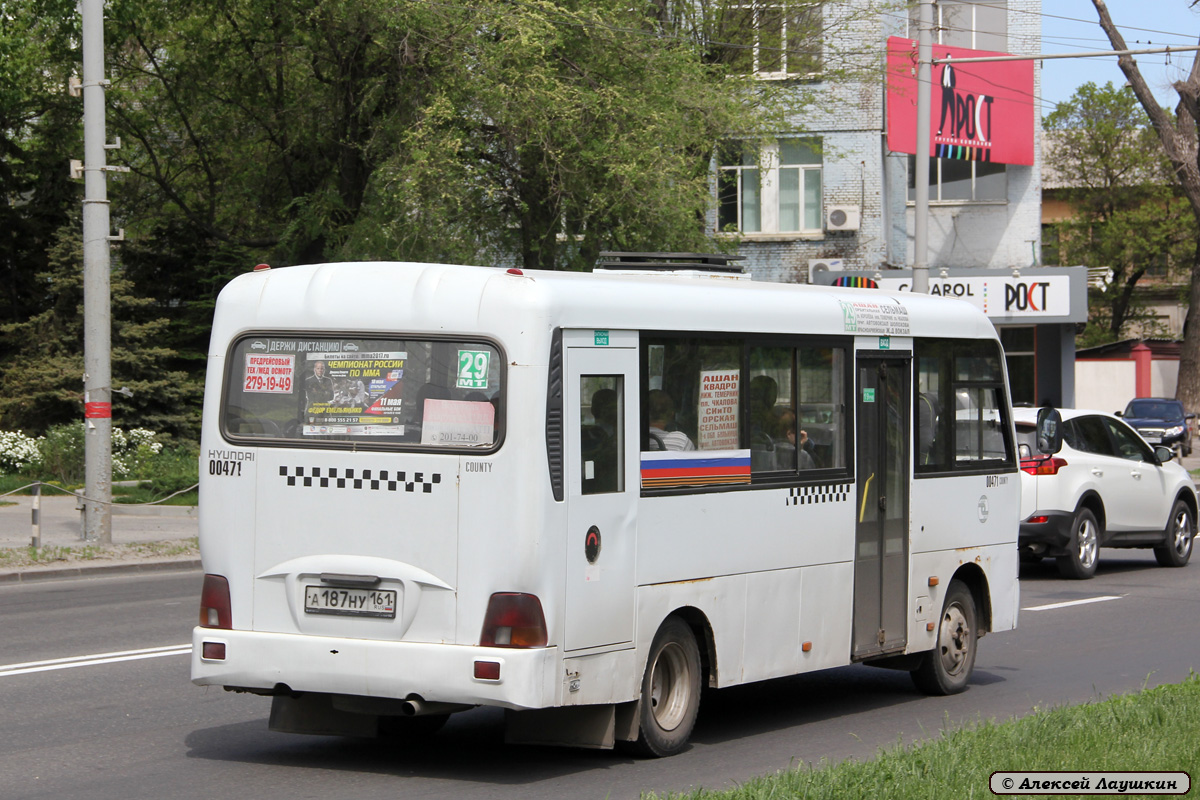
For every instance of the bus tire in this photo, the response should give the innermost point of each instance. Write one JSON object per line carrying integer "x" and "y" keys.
{"x": 670, "y": 695}
{"x": 1176, "y": 550}
{"x": 947, "y": 668}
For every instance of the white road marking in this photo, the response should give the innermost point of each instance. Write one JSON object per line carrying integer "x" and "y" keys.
{"x": 1073, "y": 603}
{"x": 93, "y": 660}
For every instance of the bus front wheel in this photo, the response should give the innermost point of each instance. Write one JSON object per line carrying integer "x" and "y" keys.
{"x": 670, "y": 696}
{"x": 947, "y": 668}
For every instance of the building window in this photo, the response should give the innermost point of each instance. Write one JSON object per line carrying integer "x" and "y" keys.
{"x": 773, "y": 190}
{"x": 977, "y": 24}
{"x": 951, "y": 180}
{"x": 981, "y": 25}
{"x": 773, "y": 40}
{"x": 1020, "y": 348}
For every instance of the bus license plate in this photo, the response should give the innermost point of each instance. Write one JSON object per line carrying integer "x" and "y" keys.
{"x": 350, "y": 602}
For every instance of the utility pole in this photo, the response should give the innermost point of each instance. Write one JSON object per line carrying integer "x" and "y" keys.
{"x": 97, "y": 324}
{"x": 920, "y": 278}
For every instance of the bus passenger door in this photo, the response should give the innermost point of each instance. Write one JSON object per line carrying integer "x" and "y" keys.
{"x": 881, "y": 537}
{"x": 600, "y": 417}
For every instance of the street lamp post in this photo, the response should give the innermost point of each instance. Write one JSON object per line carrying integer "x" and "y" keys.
{"x": 97, "y": 335}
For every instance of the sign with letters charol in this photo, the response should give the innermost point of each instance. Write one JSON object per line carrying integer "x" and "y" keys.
{"x": 1000, "y": 296}
{"x": 978, "y": 112}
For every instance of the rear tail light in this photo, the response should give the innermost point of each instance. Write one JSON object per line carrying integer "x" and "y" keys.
{"x": 514, "y": 620}
{"x": 1038, "y": 520}
{"x": 1043, "y": 466}
{"x": 214, "y": 603}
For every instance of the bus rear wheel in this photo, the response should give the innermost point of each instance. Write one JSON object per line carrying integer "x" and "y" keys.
{"x": 947, "y": 668}
{"x": 670, "y": 696}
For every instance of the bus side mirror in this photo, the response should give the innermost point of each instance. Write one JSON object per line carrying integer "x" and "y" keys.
{"x": 1049, "y": 430}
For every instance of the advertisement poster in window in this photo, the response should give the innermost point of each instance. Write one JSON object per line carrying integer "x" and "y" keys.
{"x": 718, "y": 409}
{"x": 355, "y": 394}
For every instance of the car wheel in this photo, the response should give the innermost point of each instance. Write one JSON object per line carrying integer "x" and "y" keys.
{"x": 1181, "y": 529}
{"x": 947, "y": 668}
{"x": 670, "y": 697}
{"x": 1083, "y": 551}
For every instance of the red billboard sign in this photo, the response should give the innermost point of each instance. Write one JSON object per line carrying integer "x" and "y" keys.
{"x": 979, "y": 112}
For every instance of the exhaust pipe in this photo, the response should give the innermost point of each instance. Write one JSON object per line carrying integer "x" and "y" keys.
{"x": 417, "y": 707}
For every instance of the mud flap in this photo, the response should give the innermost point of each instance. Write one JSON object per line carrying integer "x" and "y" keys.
{"x": 315, "y": 713}
{"x": 597, "y": 727}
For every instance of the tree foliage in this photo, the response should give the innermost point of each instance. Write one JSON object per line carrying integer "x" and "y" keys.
{"x": 1128, "y": 214}
{"x": 327, "y": 129}
{"x": 39, "y": 129}
{"x": 1178, "y": 137}
{"x": 44, "y": 379}
{"x": 527, "y": 131}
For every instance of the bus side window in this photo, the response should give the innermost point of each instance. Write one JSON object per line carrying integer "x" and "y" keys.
{"x": 601, "y": 416}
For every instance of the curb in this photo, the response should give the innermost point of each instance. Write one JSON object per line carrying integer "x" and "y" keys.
{"x": 154, "y": 511}
{"x": 98, "y": 570}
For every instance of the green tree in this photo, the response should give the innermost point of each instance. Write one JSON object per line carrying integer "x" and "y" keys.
{"x": 1128, "y": 215}
{"x": 39, "y": 131}
{"x": 565, "y": 129}
{"x": 259, "y": 123}
{"x": 1178, "y": 136}
{"x": 329, "y": 129}
{"x": 43, "y": 377}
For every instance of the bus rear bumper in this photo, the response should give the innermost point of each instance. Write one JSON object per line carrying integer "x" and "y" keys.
{"x": 432, "y": 672}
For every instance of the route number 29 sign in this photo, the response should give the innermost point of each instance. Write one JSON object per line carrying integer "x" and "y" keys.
{"x": 473, "y": 369}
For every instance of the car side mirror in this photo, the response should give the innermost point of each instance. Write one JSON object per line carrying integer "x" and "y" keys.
{"x": 1163, "y": 454}
{"x": 1118, "y": 414}
{"x": 1049, "y": 430}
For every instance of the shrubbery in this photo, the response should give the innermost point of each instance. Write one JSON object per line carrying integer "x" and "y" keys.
{"x": 137, "y": 454}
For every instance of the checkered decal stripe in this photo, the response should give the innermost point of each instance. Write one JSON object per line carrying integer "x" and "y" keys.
{"x": 825, "y": 493}
{"x": 360, "y": 479}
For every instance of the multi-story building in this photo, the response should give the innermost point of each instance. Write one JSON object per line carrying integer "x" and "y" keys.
{"x": 830, "y": 195}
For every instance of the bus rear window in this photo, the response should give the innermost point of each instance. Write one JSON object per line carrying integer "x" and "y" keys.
{"x": 363, "y": 392}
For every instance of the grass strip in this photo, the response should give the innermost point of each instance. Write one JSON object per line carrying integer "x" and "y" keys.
{"x": 16, "y": 557}
{"x": 1155, "y": 729}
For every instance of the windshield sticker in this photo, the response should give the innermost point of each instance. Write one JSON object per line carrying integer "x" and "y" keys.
{"x": 473, "y": 369}
{"x": 269, "y": 374}
{"x": 458, "y": 422}
{"x": 356, "y": 394}
{"x": 861, "y": 316}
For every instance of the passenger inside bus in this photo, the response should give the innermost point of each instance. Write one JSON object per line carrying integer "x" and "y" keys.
{"x": 661, "y": 411}
{"x": 604, "y": 410}
{"x": 763, "y": 392}
{"x": 787, "y": 454}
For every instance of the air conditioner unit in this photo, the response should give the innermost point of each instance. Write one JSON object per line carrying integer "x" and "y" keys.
{"x": 821, "y": 266}
{"x": 842, "y": 218}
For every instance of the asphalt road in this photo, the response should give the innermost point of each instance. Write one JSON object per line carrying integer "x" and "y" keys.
{"x": 132, "y": 725}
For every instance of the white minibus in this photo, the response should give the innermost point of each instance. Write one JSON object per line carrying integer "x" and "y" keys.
{"x": 581, "y": 497}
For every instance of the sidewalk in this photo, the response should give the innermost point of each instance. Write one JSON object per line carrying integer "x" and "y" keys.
{"x": 141, "y": 535}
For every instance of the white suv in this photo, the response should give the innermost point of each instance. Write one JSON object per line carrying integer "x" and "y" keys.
{"x": 1105, "y": 487}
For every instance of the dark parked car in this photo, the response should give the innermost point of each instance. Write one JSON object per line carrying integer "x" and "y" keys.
{"x": 1161, "y": 421}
